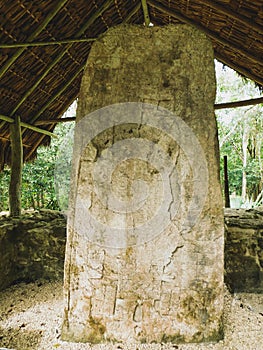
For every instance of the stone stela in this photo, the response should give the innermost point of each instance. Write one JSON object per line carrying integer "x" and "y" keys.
{"x": 144, "y": 255}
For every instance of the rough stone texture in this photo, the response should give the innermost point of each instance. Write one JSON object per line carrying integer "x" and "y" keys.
{"x": 169, "y": 289}
{"x": 32, "y": 247}
{"x": 243, "y": 243}
{"x": 244, "y": 250}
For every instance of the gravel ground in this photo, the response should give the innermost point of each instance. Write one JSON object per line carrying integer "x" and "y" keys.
{"x": 31, "y": 316}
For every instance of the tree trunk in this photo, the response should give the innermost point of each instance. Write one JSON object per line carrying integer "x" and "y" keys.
{"x": 258, "y": 155}
{"x": 244, "y": 150}
{"x": 227, "y": 198}
{"x": 16, "y": 169}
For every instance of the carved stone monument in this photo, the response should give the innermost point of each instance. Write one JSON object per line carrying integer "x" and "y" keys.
{"x": 144, "y": 257}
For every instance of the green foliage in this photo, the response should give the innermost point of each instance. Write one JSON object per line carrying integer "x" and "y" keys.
{"x": 4, "y": 183}
{"x": 41, "y": 190}
{"x": 240, "y": 135}
{"x": 38, "y": 188}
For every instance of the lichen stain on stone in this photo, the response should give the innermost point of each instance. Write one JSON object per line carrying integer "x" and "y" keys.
{"x": 174, "y": 338}
{"x": 96, "y": 330}
{"x": 129, "y": 254}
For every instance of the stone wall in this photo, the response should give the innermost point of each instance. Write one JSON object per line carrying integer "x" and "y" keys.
{"x": 32, "y": 247}
{"x": 244, "y": 250}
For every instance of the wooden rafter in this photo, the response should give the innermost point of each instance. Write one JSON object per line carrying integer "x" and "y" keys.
{"x": 31, "y": 37}
{"x": 46, "y": 43}
{"x": 238, "y": 68}
{"x": 58, "y": 93}
{"x": 251, "y": 102}
{"x": 8, "y": 139}
{"x": 32, "y": 89}
{"x": 35, "y": 128}
{"x": 28, "y": 126}
{"x": 210, "y": 33}
{"x": 96, "y": 15}
{"x": 61, "y": 54}
{"x": 56, "y": 121}
{"x": 237, "y": 17}
{"x": 46, "y": 106}
{"x": 132, "y": 13}
{"x": 218, "y": 19}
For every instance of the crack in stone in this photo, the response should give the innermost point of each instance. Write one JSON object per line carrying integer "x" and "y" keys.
{"x": 171, "y": 257}
{"x": 170, "y": 185}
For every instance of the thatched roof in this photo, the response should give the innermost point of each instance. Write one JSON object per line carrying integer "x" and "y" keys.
{"x": 40, "y": 82}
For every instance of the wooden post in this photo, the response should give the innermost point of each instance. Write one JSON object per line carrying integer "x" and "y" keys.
{"x": 146, "y": 13}
{"x": 16, "y": 168}
{"x": 227, "y": 198}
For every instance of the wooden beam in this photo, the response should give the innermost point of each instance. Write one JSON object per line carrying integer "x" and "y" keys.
{"x": 8, "y": 140}
{"x": 49, "y": 102}
{"x": 39, "y": 80}
{"x": 224, "y": 105}
{"x": 43, "y": 131}
{"x": 35, "y": 33}
{"x": 145, "y": 13}
{"x": 16, "y": 168}
{"x": 55, "y": 121}
{"x": 40, "y": 131}
{"x": 46, "y": 43}
{"x": 132, "y": 13}
{"x": 28, "y": 126}
{"x": 61, "y": 54}
{"x": 251, "y": 102}
{"x": 225, "y": 10}
{"x": 96, "y": 15}
{"x": 58, "y": 93}
{"x": 238, "y": 68}
{"x": 211, "y": 34}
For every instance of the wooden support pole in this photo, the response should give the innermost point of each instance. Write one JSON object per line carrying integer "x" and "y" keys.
{"x": 16, "y": 169}
{"x": 145, "y": 13}
{"x": 227, "y": 197}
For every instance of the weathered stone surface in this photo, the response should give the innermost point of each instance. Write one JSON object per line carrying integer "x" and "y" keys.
{"x": 243, "y": 242}
{"x": 244, "y": 250}
{"x": 169, "y": 288}
{"x": 32, "y": 247}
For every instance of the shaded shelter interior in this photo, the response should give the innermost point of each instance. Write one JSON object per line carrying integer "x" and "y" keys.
{"x": 44, "y": 47}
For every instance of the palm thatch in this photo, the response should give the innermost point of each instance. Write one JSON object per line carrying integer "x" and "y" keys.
{"x": 44, "y": 46}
